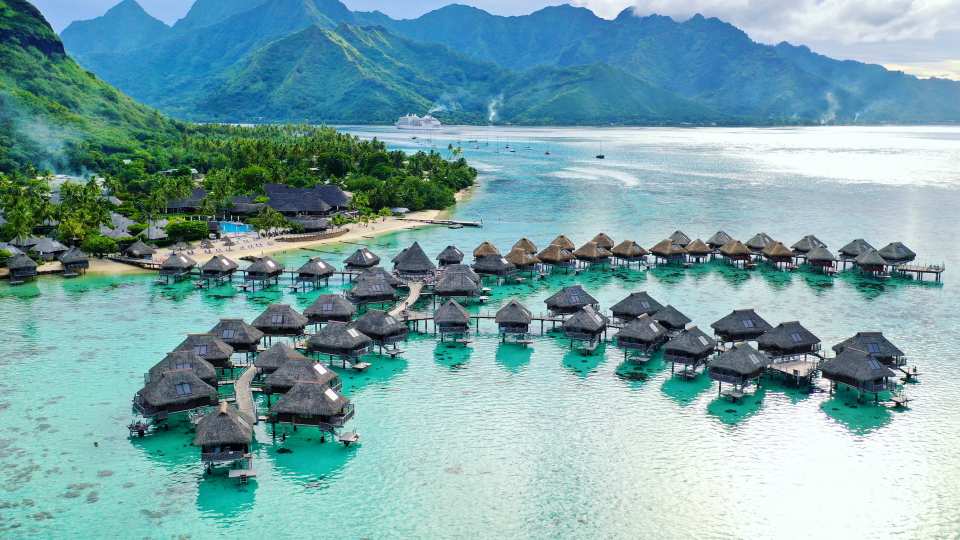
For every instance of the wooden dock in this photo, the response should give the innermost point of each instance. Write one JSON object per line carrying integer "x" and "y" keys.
{"x": 920, "y": 271}
{"x": 244, "y": 394}
{"x": 416, "y": 289}
{"x": 448, "y": 222}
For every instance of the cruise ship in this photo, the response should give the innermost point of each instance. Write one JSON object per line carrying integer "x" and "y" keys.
{"x": 412, "y": 121}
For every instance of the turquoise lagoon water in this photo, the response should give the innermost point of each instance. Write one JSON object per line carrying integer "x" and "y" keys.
{"x": 497, "y": 441}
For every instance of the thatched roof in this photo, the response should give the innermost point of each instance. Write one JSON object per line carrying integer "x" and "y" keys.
{"x": 139, "y": 249}
{"x": 451, "y": 314}
{"x": 855, "y": 248}
{"x": 870, "y": 258}
{"x": 514, "y": 313}
{"x": 698, "y": 247}
{"x": 362, "y": 258}
{"x": 224, "y": 426}
{"x": 316, "y": 268}
{"x": 184, "y": 360}
{"x": 276, "y": 356}
{"x": 207, "y": 346}
{"x": 807, "y": 243}
{"x": 570, "y": 299}
{"x": 379, "y": 324}
{"x": 873, "y": 343}
{"x": 564, "y": 243}
{"x": 635, "y": 305}
{"x": 521, "y": 258}
{"x": 692, "y": 342}
{"x": 628, "y": 249}
{"x": 821, "y": 255}
{"x": 74, "y": 257}
{"x": 265, "y": 266}
{"x": 759, "y": 242}
{"x": 666, "y": 249}
{"x": 281, "y": 318}
{"x": 586, "y": 321}
{"x": 777, "y": 250}
{"x": 742, "y": 359}
{"x": 330, "y": 307}
{"x": 178, "y": 262}
{"x": 591, "y": 252}
{"x": 413, "y": 260}
{"x": 21, "y": 263}
{"x": 310, "y": 399}
{"x": 219, "y": 265}
{"x": 178, "y": 387}
{"x": 237, "y": 333}
{"x": 338, "y": 338}
{"x": 461, "y": 269}
{"x": 719, "y": 238}
{"x": 492, "y": 265}
{"x": 457, "y": 284}
{"x": 735, "y": 249}
{"x": 679, "y": 238}
{"x": 671, "y": 317}
{"x": 603, "y": 241}
{"x": 856, "y": 366}
{"x": 48, "y": 246}
{"x": 371, "y": 289}
{"x": 295, "y": 371}
{"x": 897, "y": 253}
{"x": 486, "y": 249}
{"x": 741, "y": 324}
{"x": 450, "y": 255}
{"x": 526, "y": 245}
{"x": 379, "y": 274}
{"x": 643, "y": 329}
{"x": 788, "y": 336}
{"x": 554, "y": 254}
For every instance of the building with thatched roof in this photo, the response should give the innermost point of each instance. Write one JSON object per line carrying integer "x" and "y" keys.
{"x": 788, "y": 339}
{"x": 854, "y": 249}
{"x": 462, "y": 269}
{"x": 339, "y": 339}
{"x": 778, "y": 254}
{"x": 281, "y": 320}
{"x": 377, "y": 273}
{"x": 629, "y": 251}
{"x": 571, "y": 300}
{"x": 514, "y": 319}
{"x": 457, "y": 285}
{"x": 218, "y": 267}
{"x": 858, "y": 370}
{"x": 735, "y": 252}
{"x": 209, "y": 347}
{"x": 312, "y": 404}
{"x": 75, "y": 262}
{"x": 451, "y": 319}
{"x": 414, "y": 263}
{"x": 603, "y": 241}
{"x": 140, "y": 250}
{"x": 591, "y": 253}
{"x": 821, "y": 258}
{"x": 740, "y": 325}
{"x": 870, "y": 262}
{"x": 522, "y": 259}
{"x": 450, "y": 255}
{"x": 22, "y": 269}
{"x": 759, "y": 242}
{"x": 360, "y": 259}
{"x": 493, "y": 265}
{"x": 297, "y": 370}
{"x": 555, "y": 255}
{"x": 679, "y": 238}
{"x": 876, "y": 345}
{"x": 315, "y": 270}
{"x": 180, "y": 360}
{"x": 895, "y": 253}
{"x": 372, "y": 290}
{"x": 806, "y": 244}
{"x": 174, "y": 392}
{"x": 330, "y": 308}
{"x": 177, "y": 266}
{"x": 525, "y": 245}
{"x": 564, "y": 243}
{"x": 48, "y": 249}
{"x": 383, "y": 328}
{"x": 738, "y": 366}
{"x": 585, "y": 325}
{"x": 671, "y": 318}
{"x": 239, "y": 335}
{"x": 698, "y": 250}
{"x": 264, "y": 269}
{"x": 276, "y": 356}
{"x": 719, "y": 239}
{"x": 486, "y": 249}
{"x": 642, "y": 334}
{"x": 666, "y": 251}
{"x": 224, "y": 435}
{"x": 691, "y": 348}
{"x": 635, "y": 305}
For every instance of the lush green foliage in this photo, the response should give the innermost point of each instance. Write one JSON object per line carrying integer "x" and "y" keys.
{"x": 81, "y": 211}
{"x": 5, "y": 257}
{"x": 99, "y": 245}
{"x": 269, "y": 219}
{"x": 25, "y": 200}
{"x": 189, "y": 231}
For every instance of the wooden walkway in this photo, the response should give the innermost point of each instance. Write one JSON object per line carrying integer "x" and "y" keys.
{"x": 244, "y": 395}
{"x": 476, "y": 224}
{"x": 416, "y": 289}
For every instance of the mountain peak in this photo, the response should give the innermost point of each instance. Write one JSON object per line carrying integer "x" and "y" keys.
{"x": 124, "y": 27}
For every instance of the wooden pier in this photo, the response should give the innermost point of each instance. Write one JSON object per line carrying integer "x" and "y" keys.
{"x": 448, "y": 222}
{"x": 920, "y": 271}
{"x": 244, "y": 393}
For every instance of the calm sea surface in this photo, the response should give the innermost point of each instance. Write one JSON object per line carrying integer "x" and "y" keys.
{"x": 498, "y": 441}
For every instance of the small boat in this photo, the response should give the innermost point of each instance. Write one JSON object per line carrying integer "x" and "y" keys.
{"x": 601, "y": 156}
{"x": 547, "y": 153}
{"x": 455, "y": 226}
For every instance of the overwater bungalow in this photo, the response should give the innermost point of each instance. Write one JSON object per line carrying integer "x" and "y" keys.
{"x": 805, "y": 245}
{"x": 778, "y": 255}
{"x": 48, "y": 249}
{"x": 263, "y": 271}
{"x": 281, "y": 320}
{"x": 184, "y": 360}
{"x": 384, "y": 329}
{"x": 457, "y": 285}
{"x": 850, "y": 252}
{"x": 896, "y": 254}
{"x": 821, "y": 259}
{"x": 312, "y": 404}
{"x": 739, "y": 366}
{"x": 718, "y": 240}
{"x": 642, "y": 335}
{"x": 525, "y": 245}
{"x": 75, "y": 262}
{"x": 140, "y": 250}
{"x": 314, "y": 271}
{"x": 514, "y": 319}
{"x": 858, "y": 370}
{"x": 361, "y": 259}
{"x": 871, "y": 263}
{"x": 275, "y": 357}
{"x": 740, "y": 325}
{"x": 698, "y": 251}
{"x": 591, "y": 253}
{"x": 219, "y": 268}
{"x": 564, "y": 243}
{"x": 330, "y": 308}
{"x": 461, "y": 269}
{"x": 372, "y": 290}
{"x": 340, "y": 340}
{"x": 177, "y": 267}
{"x": 174, "y": 392}
{"x": 634, "y": 306}
{"x": 876, "y": 345}
{"x": 586, "y": 326}
{"x": 239, "y": 335}
{"x": 22, "y": 269}
{"x": 570, "y": 300}
{"x": 691, "y": 349}
{"x": 208, "y": 347}
{"x": 789, "y": 339}
{"x": 486, "y": 249}
{"x": 523, "y": 260}
{"x": 671, "y": 318}
{"x": 493, "y": 265}
{"x": 628, "y": 252}
{"x": 679, "y": 238}
{"x": 736, "y": 253}
{"x": 301, "y": 369}
{"x": 554, "y": 255}
{"x": 450, "y": 255}
{"x": 668, "y": 252}
{"x": 759, "y": 242}
{"x": 224, "y": 437}
{"x": 452, "y": 320}
{"x": 414, "y": 264}
{"x": 381, "y": 274}
{"x": 603, "y": 241}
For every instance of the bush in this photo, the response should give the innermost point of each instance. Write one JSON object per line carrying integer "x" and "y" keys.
{"x": 136, "y": 228}
{"x": 188, "y": 230}
{"x": 99, "y": 245}
{"x": 5, "y": 257}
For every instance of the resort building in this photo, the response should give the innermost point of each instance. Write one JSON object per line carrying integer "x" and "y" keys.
{"x": 239, "y": 335}
{"x": 740, "y": 366}
{"x": 74, "y": 262}
{"x": 740, "y": 325}
{"x": 450, "y": 255}
{"x": 340, "y": 340}
{"x": 330, "y": 308}
{"x": 875, "y": 345}
{"x": 22, "y": 269}
{"x": 586, "y": 326}
{"x": 297, "y": 370}
{"x": 641, "y": 335}
{"x": 275, "y": 357}
{"x": 209, "y": 347}
{"x": 525, "y": 245}
{"x": 361, "y": 259}
{"x": 177, "y": 267}
{"x": 628, "y": 252}
{"x": 219, "y": 268}
{"x": 312, "y": 404}
{"x": 224, "y": 437}
{"x": 281, "y": 320}
{"x": 513, "y": 320}
{"x": 384, "y": 329}
{"x": 184, "y": 360}
{"x": 691, "y": 349}
{"x": 174, "y": 392}
{"x": 571, "y": 300}
{"x": 789, "y": 339}
{"x": 679, "y": 239}
{"x": 858, "y": 370}
{"x": 671, "y": 318}
{"x": 718, "y": 240}
{"x": 452, "y": 320}
{"x": 635, "y": 305}
{"x": 140, "y": 250}
{"x": 414, "y": 264}
{"x": 314, "y": 271}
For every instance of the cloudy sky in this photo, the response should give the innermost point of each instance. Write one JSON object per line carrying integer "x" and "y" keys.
{"x": 917, "y": 36}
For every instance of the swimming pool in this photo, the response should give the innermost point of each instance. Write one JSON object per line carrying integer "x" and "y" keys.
{"x": 231, "y": 227}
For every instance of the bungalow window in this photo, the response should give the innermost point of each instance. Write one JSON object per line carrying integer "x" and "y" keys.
{"x": 183, "y": 389}
{"x": 201, "y": 350}
{"x": 873, "y": 348}
{"x": 326, "y": 308}
{"x": 276, "y": 318}
{"x": 229, "y": 333}
{"x": 183, "y": 365}
{"x": 748, "y": 323}
{"x": 377, "y": 287}
{"x": 796, "y": 337}
{"x": 645, "y": 305}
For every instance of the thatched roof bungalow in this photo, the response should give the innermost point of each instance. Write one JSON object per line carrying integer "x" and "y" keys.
{"x": 564, "y": 243}
{"x": 735, "y": 251}
{"x": 698, "y": 250}
{"x": 296, "y": 370}
{"x": 315, "y": 270}
{"x": 671, "y": 318}
{"x": 820, "y": 257}
{"x": 450, "y": 255}
{"x": 140, "y": 250}
{"x": 854, "y": 249}
{"x": 372, "y": 290}
{"x": 74, "y": 262}
{"x": 180, "y": 360}
{"x": 759, "y": 242}
{"x": 777, "y": 253}
{"x": 281, "y": 320}
{"x": 414, "y": 262}
{"x": 571, "y": 300}
{"x": 896, "y": 253}
{"x": 740, "y": 325}
{"x": 870, "y": 262}
{"x": 239, "y": 335}
{"x": 635, "y": 305}
{"x": 486, "y": 249}
{"x": 177, "y": 265}
{"x": 719, "y": 239}
{"x": 629, "y": 251}
{"x": 643, "y": 334}
{"x": 360, "y": 259}
{"x": 175, "y": 391}
{"x": 209, "y": 347}
{"x": 493, "y": 265}
{"x": 739, "y": 365}
{"x": 312, "y": 404}
{"x": 603, "y": 241}
{"x": 585, "y": 325}
{"x": 263, "y": 269}
{"x": 859, "y": 370}
{"x": 514, "y": 318}
{"x": 525, "y": 245}
{"x": 276, "y": 356}
{"x": 679, "y": 238}
{"x": 806, "y": 244}
{"x": 591, "y": 253}
{"x": 669, "y": 252}
{"x": 329, "y": 308}
{"x": 788, "y": 339}
{"x": 691, "y": 348}
{"x": 457, "y": 285}
{"x": 48, "y": 249}
{"x": 22, "y": 268}
{"x": 555, "y": 255}
{"x": 383, "y": 328}
{"x": 224, "y": 435}
{"x": 876, "y": 345}
{"x": 522, "y": 259}
{"x": 218, "y": 267}
{"x": 339, "y": 339}
{"x": 452, "y": 318}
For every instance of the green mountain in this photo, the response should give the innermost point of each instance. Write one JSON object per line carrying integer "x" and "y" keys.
{"x": 125, "y": 27}
{"x": 209, "y": 12}
{"x": 50, "y": 108}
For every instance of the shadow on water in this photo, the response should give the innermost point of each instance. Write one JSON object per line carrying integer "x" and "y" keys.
{"x": 512, "y": 357}
{"x": 303, "y": 458}
{"x": 817, "y": 281}
{"x": 685, "y": 391}
{"x": 584, "y": 364}
{"x": 452, "y": 355}
{"x": 171, "y": 448}
{"x": 778, "y": 280}
{"x": 668, "y": 274}
{"x": 794, "y": 393}
{"x": 223, "y": 498}
{"x": 733, "y": 413}
{"x": 860, "y": 418}
{"x": 382, "y": 369}
{"x": 636, "y": 373}
{"x": 870, "y": 288}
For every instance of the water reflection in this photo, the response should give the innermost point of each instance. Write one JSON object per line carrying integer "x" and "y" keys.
{"x": 732, "y": 413}
{"x": 513, "y": 357}
{"x": 685, "y": 391}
